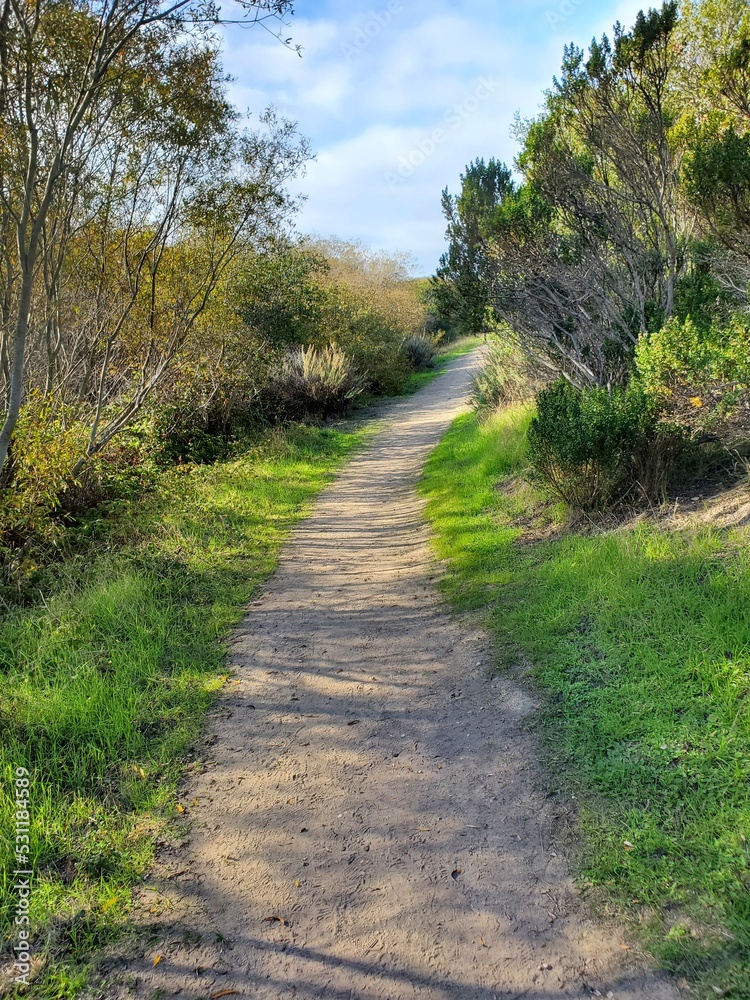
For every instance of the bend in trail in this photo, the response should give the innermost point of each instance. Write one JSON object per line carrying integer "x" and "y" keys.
{"x": 372, "y": 822}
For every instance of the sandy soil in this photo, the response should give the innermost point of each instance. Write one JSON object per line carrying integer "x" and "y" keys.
{"x": 370, "y": 821}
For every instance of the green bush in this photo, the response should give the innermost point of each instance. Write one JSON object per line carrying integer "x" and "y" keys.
{"x": 594, "y": 446}
{"x": 199, "y": 420}
{"x": 45, "y": 449}
{"x": 700, "y": 374}
{"x": 313, "y": 382}
{"x": 383, "y": 366}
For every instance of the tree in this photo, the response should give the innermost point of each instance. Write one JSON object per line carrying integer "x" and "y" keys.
{"x": 64, "y": 69}
{"x": 281, "y": 294}
{"x": 584, "y": 258}
{"x": 716, "y": 121}
{"x": 460, "y": 288}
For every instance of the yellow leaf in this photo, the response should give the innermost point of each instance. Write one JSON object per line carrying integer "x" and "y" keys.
{"x": 180, "y": 809}
{"x": 157, "y": 959}
{"x": 109, "y": 904}
{"x": 696, "y": 401}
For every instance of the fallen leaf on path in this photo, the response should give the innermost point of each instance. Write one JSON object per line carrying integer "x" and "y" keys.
{"x": 455, "y": 873}
{"x": 180, "y": 809}
{"x": 354, "y": 722}
{"x": 195, "y": 801}
{"x": 274, "y": 920}
{"x": 157, "y": 959}
{"x": 223, "y": 993}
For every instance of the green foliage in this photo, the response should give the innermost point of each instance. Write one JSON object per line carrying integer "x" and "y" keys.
{"x": 699, "y": 295}
{"x": 634, "y": 203}
{"x": 641, "y": 640}
{"x": 280, "y": 294}
{"x": 45, "y": 447}
{"x": 380, "y": 360}
{"x": 717, "y": 175}
{"x": 200, "y": 422}
{"x": 459, "y": 289}
{"x": 700, "y": 373}
{"x": 594, "y": 446}
{"x": 105, "y": 684}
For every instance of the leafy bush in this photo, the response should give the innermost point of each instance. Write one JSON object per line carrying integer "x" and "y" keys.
{"x": 594, "y": 446}
{"x": 199, "y": 422}
{"x": 507, "y": 376}
{"x": 45, "y": 448}
{"x": 420, "y": 352}
{"x": 313, "y": 382}
{"x": 700, "y": 374}
{"x": 40, "y": 498}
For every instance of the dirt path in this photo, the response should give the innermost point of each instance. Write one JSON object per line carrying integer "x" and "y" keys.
{"x": 369, "y": 787}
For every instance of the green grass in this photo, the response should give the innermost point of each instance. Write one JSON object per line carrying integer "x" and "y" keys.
{"x": 104, "y": 685}
{"x": 641, "y": 639}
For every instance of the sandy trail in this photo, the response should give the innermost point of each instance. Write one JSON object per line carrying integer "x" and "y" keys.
{"x": 369, "y": 786}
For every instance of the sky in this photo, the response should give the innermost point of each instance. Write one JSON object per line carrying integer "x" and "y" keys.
{"x": 398, "y": 96}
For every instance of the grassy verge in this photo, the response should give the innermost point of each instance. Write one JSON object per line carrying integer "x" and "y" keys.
{"x": 641, "y": 639}
{"x": 105, "y": 684}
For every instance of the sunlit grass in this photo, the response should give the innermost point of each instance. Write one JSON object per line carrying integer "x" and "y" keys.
{"x": 641, "y": 639}
{"x": 104, "y": 686}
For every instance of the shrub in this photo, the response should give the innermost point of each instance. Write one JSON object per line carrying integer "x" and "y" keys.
{"x": 700, "y": 374}
{"x": 507, "y": 376}
{"x": 313, "y": 382}
{"x": 420, "y": 352}
{"x": 594, "y": 446}
{"x": 210, "y": 405}
{"x": 45, "y": 448}
{"x": 382, "y": 365}
{"x": 198, "y": 421}
{"x": 40, "y": 499}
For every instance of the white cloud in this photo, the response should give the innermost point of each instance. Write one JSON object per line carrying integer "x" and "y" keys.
{"x": 368, "y": 110}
